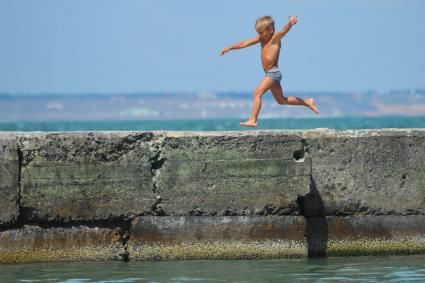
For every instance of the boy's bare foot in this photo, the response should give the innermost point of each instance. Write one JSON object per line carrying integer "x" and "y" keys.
{"x": 249, "y": 123}
{"x": 312, "y": 105}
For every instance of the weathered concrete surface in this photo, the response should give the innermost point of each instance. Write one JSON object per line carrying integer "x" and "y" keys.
{"x": 35, "y": 244}
{"x": 176, "y": 229}
{"x": 250, "y": 173}
{"x": 86, "y": 176}
{"x": 212, "y": 173}
{"x": 9, "y": 176}
{"x": 189, "y": 195}
{"x": 216, "y": 237}
{"x": 368, "y": 172}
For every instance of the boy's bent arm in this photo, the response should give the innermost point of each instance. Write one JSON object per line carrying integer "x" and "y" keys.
{"x": 278, "y": 35}
{"x": 241, "y": 44}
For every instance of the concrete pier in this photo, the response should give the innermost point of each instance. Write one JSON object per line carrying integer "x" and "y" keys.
{"x": 211, "y": 195}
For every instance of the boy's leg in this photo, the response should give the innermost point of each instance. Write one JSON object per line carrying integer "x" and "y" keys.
{"x": 277, "y": 92}
{"x": 264, "y": 86}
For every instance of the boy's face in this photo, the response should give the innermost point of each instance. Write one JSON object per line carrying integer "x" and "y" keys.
{"x": 266, "y": 34}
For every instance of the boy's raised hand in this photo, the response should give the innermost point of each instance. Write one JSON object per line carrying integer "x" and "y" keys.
{"x": 293, "y": 20}
{"x": 224, "y": 50}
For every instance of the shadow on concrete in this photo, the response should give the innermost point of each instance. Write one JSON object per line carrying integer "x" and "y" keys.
{"x": 312, "y": 208}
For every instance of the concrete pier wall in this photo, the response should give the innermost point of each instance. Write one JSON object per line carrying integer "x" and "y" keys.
{"x": 211, "y": 195}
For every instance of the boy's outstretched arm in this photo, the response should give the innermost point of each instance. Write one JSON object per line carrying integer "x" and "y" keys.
{"x": 240, "y": 45}
{"x": 278, "y": 35}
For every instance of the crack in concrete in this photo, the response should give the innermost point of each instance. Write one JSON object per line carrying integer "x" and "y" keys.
{"x": 156, "y": 161}
{"x": 26, "y": 155}
{"x": 19, "y": 218}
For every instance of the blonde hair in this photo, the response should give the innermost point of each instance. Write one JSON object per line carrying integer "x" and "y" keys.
{"x": 263, "y": 23}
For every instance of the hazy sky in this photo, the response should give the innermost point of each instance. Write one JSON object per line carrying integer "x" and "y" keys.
{"x": 104, "y": 46}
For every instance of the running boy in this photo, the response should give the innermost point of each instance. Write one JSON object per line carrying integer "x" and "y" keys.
{"x": 270, "y": 49}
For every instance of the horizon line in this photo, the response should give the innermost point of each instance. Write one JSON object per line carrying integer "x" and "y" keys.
{"x": 51, "y": 93}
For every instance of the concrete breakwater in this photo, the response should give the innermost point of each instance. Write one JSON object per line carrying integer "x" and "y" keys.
{"x": 211, "y": 195}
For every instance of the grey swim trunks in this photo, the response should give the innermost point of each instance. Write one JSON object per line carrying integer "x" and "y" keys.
{"x": 275, "y": 74}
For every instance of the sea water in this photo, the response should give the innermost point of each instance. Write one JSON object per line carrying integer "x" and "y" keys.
{"x": 349, "y": 269}
{"x": 219, "y": 124}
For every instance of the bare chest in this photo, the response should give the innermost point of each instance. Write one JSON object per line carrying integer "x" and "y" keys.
{"x": 270, "y": 48}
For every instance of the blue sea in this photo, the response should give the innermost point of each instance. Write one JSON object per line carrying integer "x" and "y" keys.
{"x": 338, "y": 123}
{"x": 348, "y": 269}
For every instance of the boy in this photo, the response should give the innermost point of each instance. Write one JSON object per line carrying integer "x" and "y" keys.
{"x": 270, "y": 48}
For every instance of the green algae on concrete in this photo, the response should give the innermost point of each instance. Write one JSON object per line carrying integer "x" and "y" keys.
{"x": 68, "y": 254}
{"x": 212, "y": 250}
{"x": 377, "y": 247}
{"x": 216, "y": 237}
{"x": 367, "y": 234}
